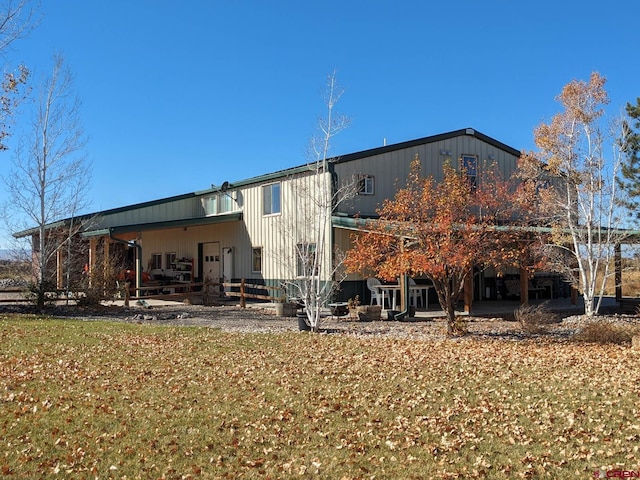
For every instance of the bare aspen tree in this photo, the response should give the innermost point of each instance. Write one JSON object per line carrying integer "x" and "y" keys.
{"x": 317, "y": 271}
{"x": 50, "y": 176}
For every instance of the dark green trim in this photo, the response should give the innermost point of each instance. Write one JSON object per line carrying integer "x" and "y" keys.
{"x": 188, "y": 222}
{"x": 350, "y": 223}
{"x": 361, "y": 224}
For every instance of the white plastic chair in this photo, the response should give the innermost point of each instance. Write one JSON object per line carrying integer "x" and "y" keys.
{"x": 376, "y": 293}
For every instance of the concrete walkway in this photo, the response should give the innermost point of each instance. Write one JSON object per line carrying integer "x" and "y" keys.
{"x": 505, "y": 308}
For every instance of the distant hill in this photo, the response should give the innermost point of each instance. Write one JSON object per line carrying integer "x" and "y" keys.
{"x": 6, "y": 254}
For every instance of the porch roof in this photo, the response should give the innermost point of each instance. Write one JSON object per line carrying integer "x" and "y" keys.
{"x": 186, "y": 222}
{"x": 625, "y": 236}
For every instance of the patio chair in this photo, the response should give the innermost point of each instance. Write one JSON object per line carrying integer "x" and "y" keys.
{"x": 376, "y": 293}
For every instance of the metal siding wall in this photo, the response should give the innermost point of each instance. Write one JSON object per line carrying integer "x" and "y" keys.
{"x": 180, "y": 209}
{"x": 184, "y": 242}
{"x": 392, "y": 168}
{"x": 278, "y": 234}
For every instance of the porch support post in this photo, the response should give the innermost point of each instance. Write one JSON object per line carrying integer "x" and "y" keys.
{"x": 59, "y": 269}
{"x": 618, "y": 272}
{"x": 574, "y": 295}
{"x": 105, "y": 263}
{"x": 138, "y": 267}
{"x": 93, "y": 253}
{"x": 524, "y": 287}
{"x": 468, "y": 291}
{"x": 403, "y": 294}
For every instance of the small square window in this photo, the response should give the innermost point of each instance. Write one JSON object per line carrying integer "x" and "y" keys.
{"x": 366, "y": 185}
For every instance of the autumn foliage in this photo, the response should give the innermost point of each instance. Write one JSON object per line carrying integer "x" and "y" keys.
{"x": 443, "y": 230}
{"x": 581, "y": 148}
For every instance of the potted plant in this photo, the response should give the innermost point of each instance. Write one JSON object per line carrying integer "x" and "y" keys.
{"x": 285, "y": 308}
{"x": 364, "y": 313}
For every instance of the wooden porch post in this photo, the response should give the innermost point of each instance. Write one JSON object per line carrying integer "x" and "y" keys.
{"x": 59, "y": 269}
{"x": 105, "y": 263}
{"x": 574, "y": 295}
{"x": 524, "y": 287}
{"x": 403, "y": 282}
{"x": 468, "y": 292}
{"x": 93, "y": 253}
{"x": 618, "y": 272}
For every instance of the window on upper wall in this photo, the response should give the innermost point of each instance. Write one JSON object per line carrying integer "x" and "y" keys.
{"x": 366, "y": 185}
{"x": 256, "y": 259}
{"x": 218, "y": 204}
{"x": 271, "y": 199}
{"x": 156, "y": 261}
{"x": 469, "y": 168}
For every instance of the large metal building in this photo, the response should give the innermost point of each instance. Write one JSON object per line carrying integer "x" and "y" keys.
{"x": 249, "y": 229}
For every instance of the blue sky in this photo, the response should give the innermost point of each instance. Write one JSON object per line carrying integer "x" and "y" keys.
{"x": 177, "y": 96}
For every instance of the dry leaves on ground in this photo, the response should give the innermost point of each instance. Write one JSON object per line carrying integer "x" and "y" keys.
{"x": 136, "y": 401}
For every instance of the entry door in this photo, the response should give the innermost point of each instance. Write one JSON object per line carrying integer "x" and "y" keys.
{"x": 211, "y": 260}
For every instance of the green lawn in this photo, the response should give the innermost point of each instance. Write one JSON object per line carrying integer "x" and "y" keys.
{"x": 112, "y": 400}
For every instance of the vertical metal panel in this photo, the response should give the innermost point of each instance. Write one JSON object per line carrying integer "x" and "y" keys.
{"x": 158, "y": 212}
{"x": 279, "y": 234}
{"x": 391, "y": 169}
{"x": 184, "y": 241}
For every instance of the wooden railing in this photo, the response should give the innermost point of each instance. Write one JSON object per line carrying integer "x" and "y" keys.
{"x": 243, "y": 285}
{"x": 244, "y": 291}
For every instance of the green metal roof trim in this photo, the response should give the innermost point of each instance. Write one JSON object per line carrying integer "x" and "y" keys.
{"x": 349, "y": 223}
{"x": 187, "y": 222}
{"x": 35, "y": 230}
{"x": 362, "y": 224}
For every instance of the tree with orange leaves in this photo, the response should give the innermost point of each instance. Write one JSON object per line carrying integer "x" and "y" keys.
{"x": 442, "y": 231}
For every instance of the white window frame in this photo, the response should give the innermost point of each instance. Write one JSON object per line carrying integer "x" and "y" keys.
{"x": 156, "y": 261}
{"x": 366, "y": 185}
{"x": 254, "y": 257}
{"x": 170, "y": 258}
{"x": 269, "y": 207}
{"x": 219, "y": 203}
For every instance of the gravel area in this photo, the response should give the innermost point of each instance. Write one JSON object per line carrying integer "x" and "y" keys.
{"x": 258, "y": 318}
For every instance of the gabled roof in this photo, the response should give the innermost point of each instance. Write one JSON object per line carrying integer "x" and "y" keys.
{"x": 424, "y": 140}
{"x": 287, "y": 172}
